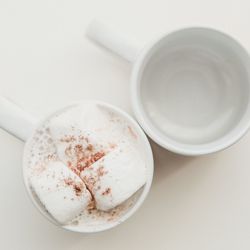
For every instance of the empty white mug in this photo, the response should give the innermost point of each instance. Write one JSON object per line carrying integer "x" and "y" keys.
{"x": 189, "y": 88}
{"x": 22, "y": 125}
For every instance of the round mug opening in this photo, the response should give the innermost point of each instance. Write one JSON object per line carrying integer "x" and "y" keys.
{"x": 192, "y": 91}
{"x": 140, "y": 194}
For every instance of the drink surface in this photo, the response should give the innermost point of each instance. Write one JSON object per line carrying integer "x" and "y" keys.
{"x": 85, "y": 166}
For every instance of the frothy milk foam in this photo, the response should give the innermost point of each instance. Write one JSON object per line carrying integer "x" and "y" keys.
{"x": 85, "y": 166}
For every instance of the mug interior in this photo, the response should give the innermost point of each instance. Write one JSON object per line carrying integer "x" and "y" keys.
{"x": 138, "y": 197}
{"x": 192, "y": 91}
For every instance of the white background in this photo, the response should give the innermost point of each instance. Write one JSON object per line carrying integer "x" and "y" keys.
{"x": 46, "y": 62}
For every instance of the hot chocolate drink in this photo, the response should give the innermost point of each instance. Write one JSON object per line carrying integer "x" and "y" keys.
{"x": 86, "y": 166}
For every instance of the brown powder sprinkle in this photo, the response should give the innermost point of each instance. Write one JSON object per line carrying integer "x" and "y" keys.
{"x": 51, "y": 157}
{"x": 92, "y": 205}
{"x": 90, "y": 182}
{"x": 90, "y": 147}
{"x": 68, "y": 151}
{"x": 82, "y": 154}
{"x": 78, "y": 149}
{"x": 69, "y": 182}
{"x": 68, "y": 138}
{"x": 101, "y": 171}
{"x": 98, "y": 156}
{"x": 78, "y": 187}
{"x": 107, "y": 191}
{"x": 85, "y": 161}
{"x": 113, "y": 213}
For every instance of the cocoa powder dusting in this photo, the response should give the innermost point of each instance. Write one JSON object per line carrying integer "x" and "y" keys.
{"x": 51, "y": 157}
{"x": 85, "y": 161}
{"x": 68, "y": 138}
{"x": 78, "y": 187}
{"x": 90, "y": 147}
{"x": 101, "y": 171}
{"x": 82, "y": 154}
{"x": 68, "y": 181}
{"x": 72, "y": 168}
{"x": 107, "y": 191}
{"x": 90, "y": 182}
{"x": 68, "y": 151}
{"x": 92, "y": 205}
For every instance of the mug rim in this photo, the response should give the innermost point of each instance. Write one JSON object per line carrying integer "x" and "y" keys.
{"x": 152, "y": 131}
{"x": 146, "y": 187}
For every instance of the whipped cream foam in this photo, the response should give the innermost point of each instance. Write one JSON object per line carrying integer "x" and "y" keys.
{"x": 86, "y": 166}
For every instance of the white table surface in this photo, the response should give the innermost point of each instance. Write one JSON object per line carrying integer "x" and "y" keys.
{"x": 46, "y": 62}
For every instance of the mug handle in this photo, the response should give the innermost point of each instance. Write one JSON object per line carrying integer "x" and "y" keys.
{"x": 113, "y": 40}
{"x": 15, "y": 120}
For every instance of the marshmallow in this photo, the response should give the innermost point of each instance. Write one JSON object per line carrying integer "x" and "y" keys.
{"x": 78, "y": 127}
{"x": 61, "y": 191}
{"x": 115, "y": 177}
{"x": 87, "y": 116}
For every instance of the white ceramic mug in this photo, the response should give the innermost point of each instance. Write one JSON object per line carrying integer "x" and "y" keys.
{"x": 189, "y": 88}
{"x": 22, "y": 125}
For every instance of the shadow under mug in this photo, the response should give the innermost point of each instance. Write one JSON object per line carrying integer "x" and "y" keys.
{"x": 190, "y": 88}
{"x": 22, "y": 125}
